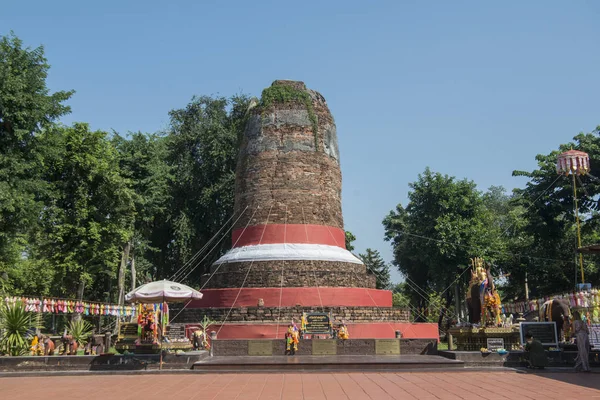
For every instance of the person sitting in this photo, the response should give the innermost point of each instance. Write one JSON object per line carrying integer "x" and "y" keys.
{"x": 537, "y": 354}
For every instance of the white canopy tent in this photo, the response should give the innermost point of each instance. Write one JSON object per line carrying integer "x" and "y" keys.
{"x": 163, "y": 291}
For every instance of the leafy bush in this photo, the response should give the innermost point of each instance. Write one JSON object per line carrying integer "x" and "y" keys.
{"x": 80, "y": 330}
{"x": 15, "y": 333}
{"x": 400, "y": 300}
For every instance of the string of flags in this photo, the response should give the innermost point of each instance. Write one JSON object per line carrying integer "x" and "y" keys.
{"x": 590, "y": 299}
{"x": 64, "y": 306}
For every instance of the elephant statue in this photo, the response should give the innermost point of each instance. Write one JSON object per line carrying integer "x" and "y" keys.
{"x": 483, "y": 301}
{"x": 473, "y": 302}
{"x": 559, "y": 311}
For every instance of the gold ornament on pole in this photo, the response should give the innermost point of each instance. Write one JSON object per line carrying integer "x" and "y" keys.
{"x": 574, "y": 162}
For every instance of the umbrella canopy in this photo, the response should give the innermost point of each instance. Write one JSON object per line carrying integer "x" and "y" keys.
{"x": 163, "y": 291}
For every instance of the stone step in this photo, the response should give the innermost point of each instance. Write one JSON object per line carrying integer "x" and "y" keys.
{"x": 324, "y": 363}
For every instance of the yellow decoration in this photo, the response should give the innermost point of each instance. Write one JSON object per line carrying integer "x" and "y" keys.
{"x": 343, "y": 333}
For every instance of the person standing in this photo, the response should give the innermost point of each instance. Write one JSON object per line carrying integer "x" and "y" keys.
{"x": 581, "y": 333}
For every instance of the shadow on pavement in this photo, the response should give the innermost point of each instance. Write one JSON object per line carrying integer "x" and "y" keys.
{"x": 589, "y": 380}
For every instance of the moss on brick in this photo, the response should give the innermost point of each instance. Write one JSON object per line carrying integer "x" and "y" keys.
{"x": 278, "y": 93}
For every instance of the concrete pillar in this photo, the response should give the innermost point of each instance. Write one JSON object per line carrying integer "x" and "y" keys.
{"x": 107, "y": 341}
{"x": 213, "y": 337}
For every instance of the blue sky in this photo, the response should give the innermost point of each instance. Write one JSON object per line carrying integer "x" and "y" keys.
{"x": 468, "y": 88}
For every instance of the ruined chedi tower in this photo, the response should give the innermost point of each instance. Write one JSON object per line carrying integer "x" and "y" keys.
{"x": 288, "y": 194}
{"x": 288, "y": 243}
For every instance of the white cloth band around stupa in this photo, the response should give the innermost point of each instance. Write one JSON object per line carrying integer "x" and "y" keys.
{"x": 288, "y": 251}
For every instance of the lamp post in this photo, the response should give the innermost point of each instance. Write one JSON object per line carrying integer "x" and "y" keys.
{"x": 574, "y": 163}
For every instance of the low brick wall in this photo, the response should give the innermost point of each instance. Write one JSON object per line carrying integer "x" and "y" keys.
{"x": 297, "y": 273}
{"x": 274, "y": 314}
{"x": 343, "y": 347}
{"x": 114, "y": 362}
{"x": 517, "y": 358}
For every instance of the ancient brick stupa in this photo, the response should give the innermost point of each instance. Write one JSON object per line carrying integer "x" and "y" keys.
{"x": 289, "y": 252}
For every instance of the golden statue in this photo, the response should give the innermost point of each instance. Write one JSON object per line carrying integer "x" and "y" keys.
{"x": 483, "y": 300}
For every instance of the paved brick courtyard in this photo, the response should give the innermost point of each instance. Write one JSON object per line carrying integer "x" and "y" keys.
{"x": 355, "y": 385}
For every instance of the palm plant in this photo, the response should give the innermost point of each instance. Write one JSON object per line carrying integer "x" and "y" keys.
{"x": 206, "y": 322}
{"x": 80, "y": 330}
{"x": 15, "y": 324}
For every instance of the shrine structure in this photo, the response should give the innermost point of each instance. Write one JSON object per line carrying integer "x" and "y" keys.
{"x": 288, "y": 251}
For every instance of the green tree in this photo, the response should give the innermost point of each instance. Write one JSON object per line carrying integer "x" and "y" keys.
{"x": 143, "y": 162}
{"x": 548, "y": 231}
{"x": 26, "y": 108}
{"x": 377, "y": 266}
{"x": 400, "y": 297}
{"x": 444, "y": 224}
{"x": 89, "y": 215}
{"x": 349, "y": 239}
{"x": 202, "y": 144}
{"x": 400, "y": 300}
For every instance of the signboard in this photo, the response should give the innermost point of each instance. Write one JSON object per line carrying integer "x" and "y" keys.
{"x": 495, "y": 343}
{"x": 317, "y": 323}
{"x": 387, "y": 347}
{"x": 584, "y": 287}
{"x": 324, "y": 347}
{"x": 595, "y": 336}
{"x": 545, "y": 332}
{"x": 260, "y": 347}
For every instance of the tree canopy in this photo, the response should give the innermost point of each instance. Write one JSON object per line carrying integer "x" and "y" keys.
{"x": 528, "y": 233}
{"x": 544, "y": 239}
{"x": 26, "y": 108}
{"x": 80, "y": 207}
{"x": 376, "y": 266}
{"x": 445, "y": 222}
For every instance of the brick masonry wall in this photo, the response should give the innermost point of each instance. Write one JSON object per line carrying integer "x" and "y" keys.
{"x": 280, "y": 169}
{"x": 288, "y": 172}
{"x": 113, "y": 362}
{"x": 274, "y": 314}
{"x": 296, "y": 273}
{"x": 344, "y": 347}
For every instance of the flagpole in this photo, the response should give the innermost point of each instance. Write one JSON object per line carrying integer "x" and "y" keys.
{"x": 162, "y": 329}
{"x": 578, "y": 228}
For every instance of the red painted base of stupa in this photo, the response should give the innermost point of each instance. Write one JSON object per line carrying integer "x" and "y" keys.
{"x": 375, "y": 330}
{"x": 291, "y": 297}
{"x": 308, "y": 297}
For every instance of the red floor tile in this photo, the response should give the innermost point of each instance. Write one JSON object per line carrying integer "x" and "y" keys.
{"x": 304, "y": 386}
